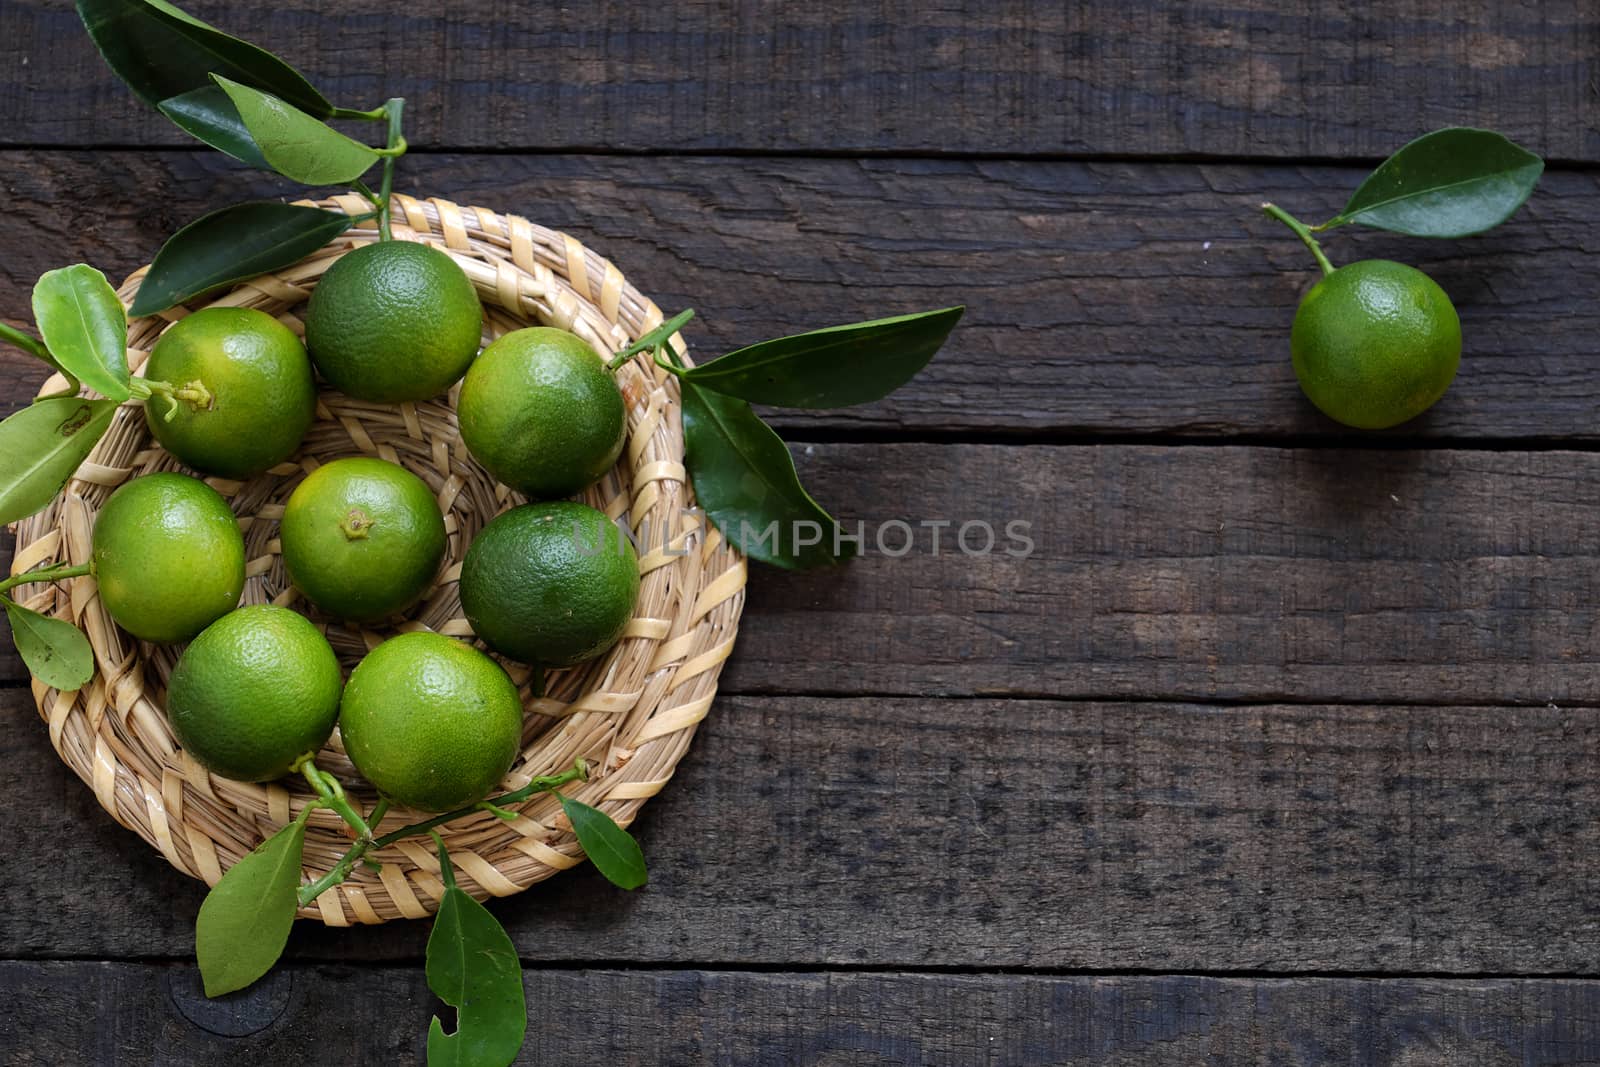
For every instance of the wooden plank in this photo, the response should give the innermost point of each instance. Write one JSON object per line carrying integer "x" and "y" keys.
{"x": 1240, "y": 77}
{"x": 148, "y": 1012}
{"x": 1220, "y": 573}
{"x": 1103, "y": 299}
{"x": 11, "y": 667}
{"x": 982, "y": 834}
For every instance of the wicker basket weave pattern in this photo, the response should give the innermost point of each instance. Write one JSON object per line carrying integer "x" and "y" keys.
{"x": 630, "y": 713}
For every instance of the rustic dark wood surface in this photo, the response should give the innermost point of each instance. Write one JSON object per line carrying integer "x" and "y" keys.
{"x": 1280, "y": 748}
{"x": 1104, "y": 299}
{"x": 1012, "y": 77}
{"x": 305, "y": 1014}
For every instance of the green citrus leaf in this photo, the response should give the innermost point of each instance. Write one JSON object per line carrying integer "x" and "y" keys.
{"x": 473, "y": 966}
{"x": 611, "y": 849}
{"x": 833, "y": 367}
{"x": 746, "y": 481}
{"x": 55, "y": 651}
{"x": 238, "y": 242}
{"x": 162, "y": 52}
{"x": 208, "y": 114}
{"x": 297, "y": 145}
{"x": 43, "y": 444}
{"x": 84, "y": 326}
{"x": 245, "y": 920}
{"x": 1453, "y": 182}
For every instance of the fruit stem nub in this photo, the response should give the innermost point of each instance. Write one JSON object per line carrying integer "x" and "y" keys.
{"x": 197, "y": 395}
{"x": 355, "y": 525}
{"x": 194, "y": 393}
{"x": 1303, "y": 232}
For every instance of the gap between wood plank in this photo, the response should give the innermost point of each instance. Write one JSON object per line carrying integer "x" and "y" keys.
{"x": 1109, "y": 698}
{"x": 535, "y": 963}
{"x": 1551, "y": 163}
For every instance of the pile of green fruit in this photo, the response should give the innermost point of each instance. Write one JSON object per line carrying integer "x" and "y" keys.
{"x": 232, "y": 393}
{"x": 433, "y": 723}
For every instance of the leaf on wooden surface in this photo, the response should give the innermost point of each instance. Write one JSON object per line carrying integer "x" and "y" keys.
{"x": 746, "y": 481}
{"x": 245, "y": 919}
{"x": 833, "y": 367}
{"x": 472, "y": 966}
{"x": 162, "y": 52}
{"x": 1453, "y": 182}
{"x": 611, "y": 849}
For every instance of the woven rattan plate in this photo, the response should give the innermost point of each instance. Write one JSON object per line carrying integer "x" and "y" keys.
{"x": 630, "y": 713}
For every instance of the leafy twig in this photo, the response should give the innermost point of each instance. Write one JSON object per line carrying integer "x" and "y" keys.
{"x": 341, "y": 870}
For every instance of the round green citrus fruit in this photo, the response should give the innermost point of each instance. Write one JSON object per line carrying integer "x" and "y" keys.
{"x": 362, "y": 538}
{"x": 1375, "y": 343}
{"x": 256, "y": 691}
{"x": 431, "y": 722}
{"x": 248, "y": 397}
{"x": 168, "y": 557}
{"x": 542, "y": 414}
{"x": 393, "y": 321}
{"x": 550, "y": 584}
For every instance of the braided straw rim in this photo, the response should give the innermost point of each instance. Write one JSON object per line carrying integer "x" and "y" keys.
{"x": 630, "y": 713}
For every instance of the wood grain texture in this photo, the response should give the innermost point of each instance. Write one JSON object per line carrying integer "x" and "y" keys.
{"x": 1018, "y": 77}
{"x": 12, "y": 669}
{"x": 304, "y": 1014}
{"x": 1102, "y": 299}
{"x": 982, "y": 834}
{"x": 1218, "y": 573}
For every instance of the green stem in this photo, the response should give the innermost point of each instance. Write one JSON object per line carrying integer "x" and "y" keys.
{"x": 497, "y": 811}
{"x": 347, "y": 862}
{"x": 375, "y": 115}
{"x": 676, "y": 364}
{"x": 653, "y": 341}
{"x": 36, "y": 348}
{"x": 393, "y": 108}
{"x": 29, "y": 344}
{"x": 44, "y": 574}
{"x": 331, "y": 794}
{"x": 619, "y": 359}
{"x": 339, "y": 872}
{"x": 1303, "y": 232}
{"x": 70, "y": 389}
{"x": 548, "y": 784}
